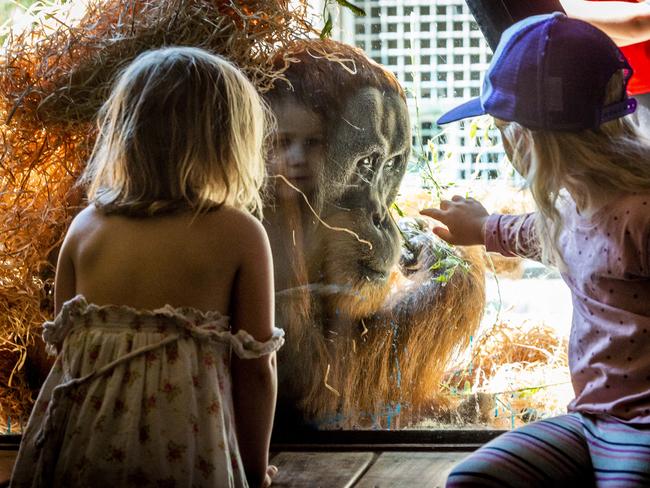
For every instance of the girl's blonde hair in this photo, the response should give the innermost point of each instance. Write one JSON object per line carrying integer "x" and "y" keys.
{"x": 613, "y": 158}
{"x": 182, "y": 129}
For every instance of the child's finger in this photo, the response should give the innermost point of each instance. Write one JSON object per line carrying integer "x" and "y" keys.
{"x": 272, "y": 470}
{"x": 443, "y": 233}
{"x": 432, "y": 212}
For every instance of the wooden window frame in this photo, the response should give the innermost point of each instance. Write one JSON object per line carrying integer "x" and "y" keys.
{"x": 383, "y": 440}
{"x": 494, "y": 16}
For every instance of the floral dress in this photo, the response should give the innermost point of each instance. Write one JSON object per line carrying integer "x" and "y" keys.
{"x": 136, "y": 399}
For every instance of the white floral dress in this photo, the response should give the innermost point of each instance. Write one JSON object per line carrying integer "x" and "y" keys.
{"x": 136, "y": 399}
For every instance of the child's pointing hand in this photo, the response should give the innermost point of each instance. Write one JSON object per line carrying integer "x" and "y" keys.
{"x": 464, "y": 219}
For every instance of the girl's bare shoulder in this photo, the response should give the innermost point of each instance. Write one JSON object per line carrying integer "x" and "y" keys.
{"x": 239, "y": 226}
{"x": 85, "y": 222}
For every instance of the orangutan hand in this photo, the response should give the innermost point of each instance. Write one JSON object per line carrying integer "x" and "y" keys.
{"x": 465, "y": 219}
{"x": 414, "y": 233}
{"x": 419, "y": 247}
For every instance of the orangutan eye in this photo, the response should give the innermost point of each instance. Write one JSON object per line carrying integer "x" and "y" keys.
{"x": 392, "y": 164}
{"x": 365, "y": 168}
{"x": 365, "y": 164}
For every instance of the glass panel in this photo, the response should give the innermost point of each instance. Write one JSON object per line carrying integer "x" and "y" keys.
{"x": 505, "y": 363}
{"x": 394, "y": 328}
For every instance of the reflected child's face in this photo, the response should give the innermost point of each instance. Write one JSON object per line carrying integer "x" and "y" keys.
{"x": 299, "y": 149}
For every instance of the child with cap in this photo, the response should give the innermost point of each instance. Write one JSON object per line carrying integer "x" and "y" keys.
{"x": 557, "y": 89}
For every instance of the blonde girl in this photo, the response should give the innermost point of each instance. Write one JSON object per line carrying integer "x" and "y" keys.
{"x": 161, "y": 278}
{"x": 557, "y": 89}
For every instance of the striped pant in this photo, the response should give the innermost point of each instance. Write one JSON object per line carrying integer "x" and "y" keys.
{"x": 572, "y": 450}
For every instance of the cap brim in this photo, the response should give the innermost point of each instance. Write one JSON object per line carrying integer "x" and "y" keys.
{"x": 467, "y": 109}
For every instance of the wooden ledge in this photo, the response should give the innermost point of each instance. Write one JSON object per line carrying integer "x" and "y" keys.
{"x": 341, "y": 459}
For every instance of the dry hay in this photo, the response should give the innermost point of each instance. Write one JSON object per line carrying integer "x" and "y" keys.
{"x": 505, "y": 343}
{"x": 515, "y": 374}
{"x": 414, "y": 201}
{"x": 55, "y": 72}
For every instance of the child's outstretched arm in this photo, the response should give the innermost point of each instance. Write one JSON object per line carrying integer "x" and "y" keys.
{"x": 625, "y": 22}
{"x": 468, "y": 223}
{"x": 254, "y": 380}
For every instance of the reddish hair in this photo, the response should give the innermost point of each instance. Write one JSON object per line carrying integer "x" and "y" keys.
{"x": 323, "y": 73}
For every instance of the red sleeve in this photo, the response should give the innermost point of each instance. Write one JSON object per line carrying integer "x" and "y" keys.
{"x": 512, "y": 235}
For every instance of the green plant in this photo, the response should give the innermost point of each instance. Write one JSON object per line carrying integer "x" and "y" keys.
{"x": 326, "y": 31}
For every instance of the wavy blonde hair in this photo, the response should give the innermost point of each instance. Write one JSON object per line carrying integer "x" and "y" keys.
{"x": 181, "y": 129}
{"x": 613, "y": 158}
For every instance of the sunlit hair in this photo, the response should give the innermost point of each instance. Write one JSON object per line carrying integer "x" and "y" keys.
{"x": 613, "y": 158}
{"x": 182, "y": 129}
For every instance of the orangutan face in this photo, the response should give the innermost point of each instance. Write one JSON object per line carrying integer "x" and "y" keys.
{"x": 367, "y": 152}
{"x": 299, "y": 147}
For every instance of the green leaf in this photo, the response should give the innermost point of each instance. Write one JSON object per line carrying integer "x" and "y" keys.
{"x": 327, "y": 28}
{"x": 398, "y": 210}
{"x": 529, "y": 392}
{"x": 358, "y": 11}
{"x": 473, "y": 128}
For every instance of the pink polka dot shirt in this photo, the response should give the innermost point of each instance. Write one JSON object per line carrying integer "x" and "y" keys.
{"x": 607, "y": 260}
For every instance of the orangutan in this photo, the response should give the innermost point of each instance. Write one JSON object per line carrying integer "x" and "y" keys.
{"x": 372, "y": 312}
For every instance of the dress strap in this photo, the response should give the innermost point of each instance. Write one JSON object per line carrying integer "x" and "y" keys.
{"x": 247, "y": 347}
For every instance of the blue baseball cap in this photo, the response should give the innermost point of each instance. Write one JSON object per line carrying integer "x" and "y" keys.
{"x": 550, "y": 72}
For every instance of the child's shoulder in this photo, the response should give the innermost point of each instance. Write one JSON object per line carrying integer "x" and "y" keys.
{"x": 85, "y": 221}
{"x": 633, "y": 207}
{"x": 231, "y": 219}
{"x": 227, "y": 215}
{"x": 237, "y": 224}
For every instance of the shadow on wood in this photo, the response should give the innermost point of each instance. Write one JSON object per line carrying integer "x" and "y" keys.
{"x": 320, "y": 469}
{"x": 410, "y": 469}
